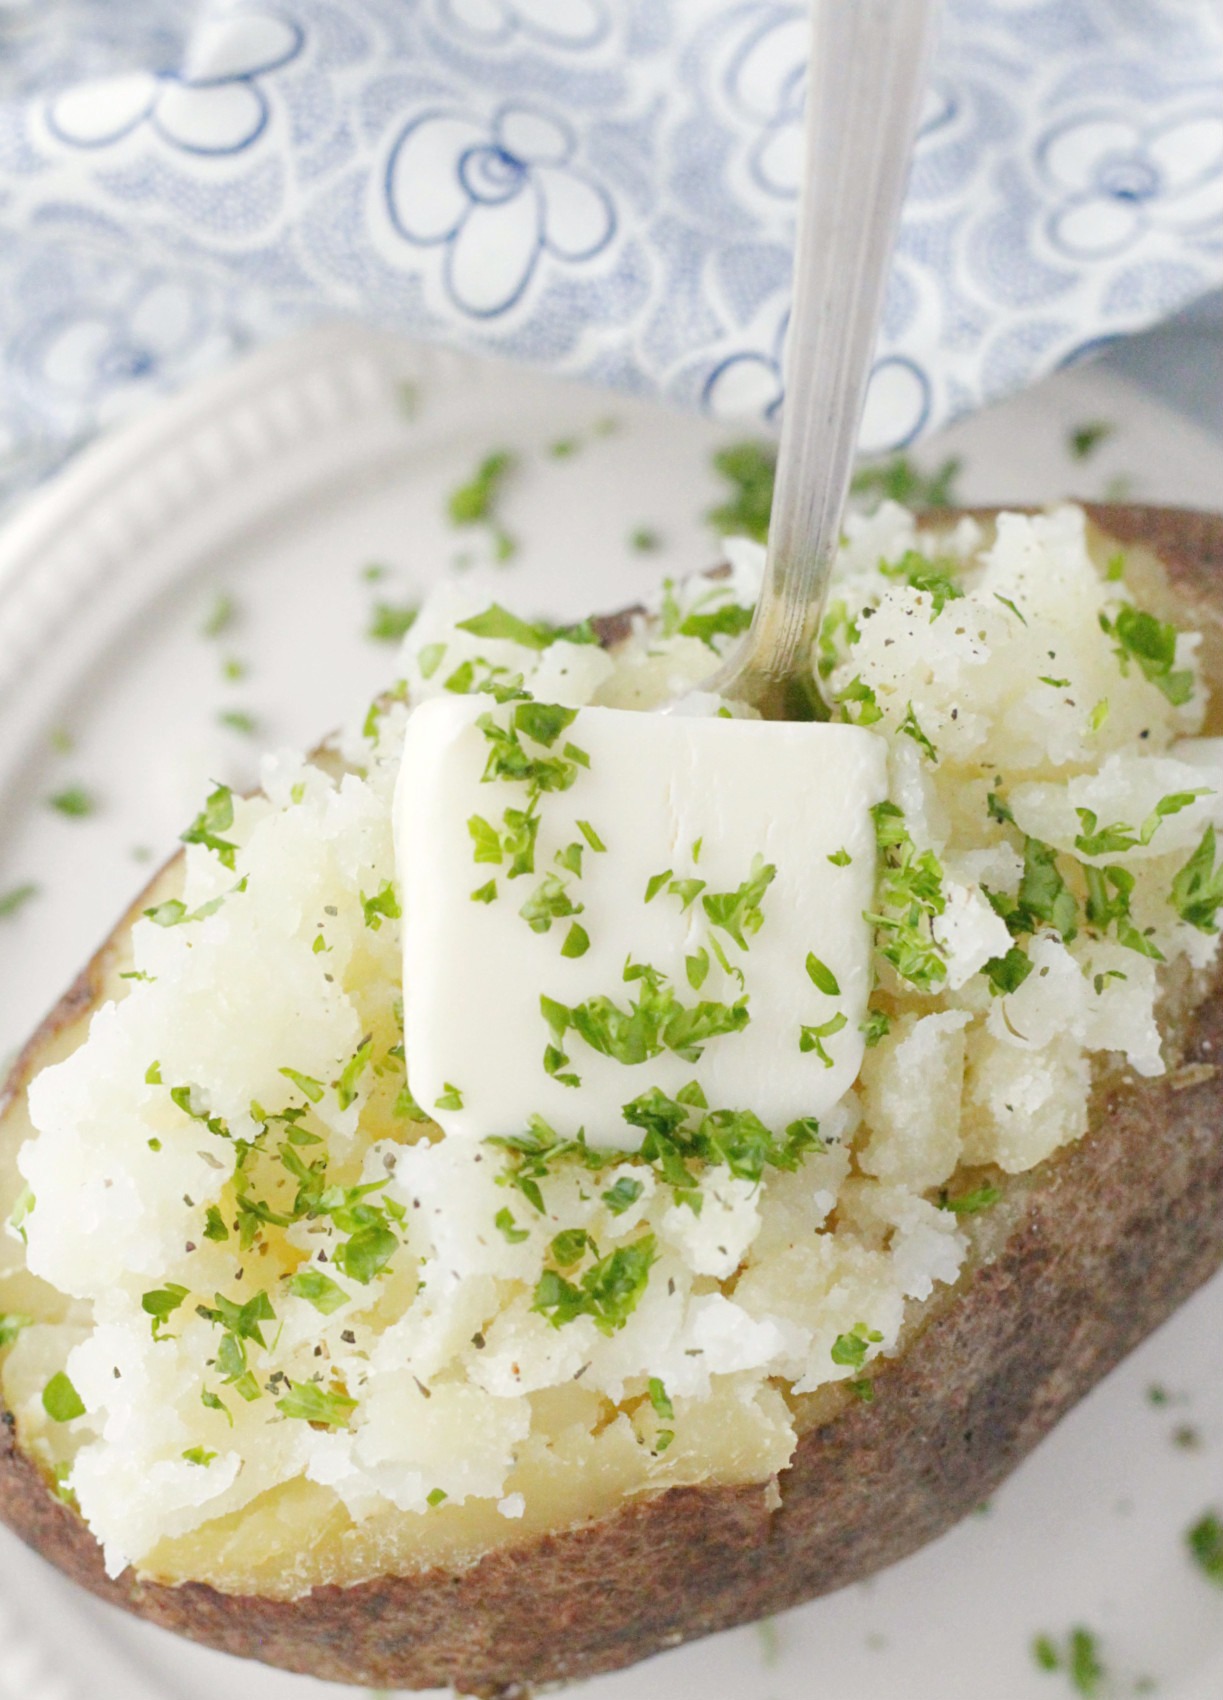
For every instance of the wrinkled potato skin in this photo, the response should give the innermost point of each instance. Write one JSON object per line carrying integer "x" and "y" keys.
{"x": 1079, "y": 1261}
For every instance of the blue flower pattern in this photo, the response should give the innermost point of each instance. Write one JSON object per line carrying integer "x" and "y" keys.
{"x": 604, "y": 187}
{"x": 495, "y": 199}
{"x": 213, "y": 105}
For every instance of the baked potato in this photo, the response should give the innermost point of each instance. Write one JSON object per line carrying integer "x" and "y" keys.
{"x": 1077, "y": 1260}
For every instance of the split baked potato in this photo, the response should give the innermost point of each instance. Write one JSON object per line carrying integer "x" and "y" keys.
{"x": 1074, "y": 1264}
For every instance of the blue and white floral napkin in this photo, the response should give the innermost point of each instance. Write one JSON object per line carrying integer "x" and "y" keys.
{"x": 602, "y": 187}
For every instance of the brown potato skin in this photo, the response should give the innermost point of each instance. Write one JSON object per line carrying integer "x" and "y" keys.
{"x": 1085, "y": 1257}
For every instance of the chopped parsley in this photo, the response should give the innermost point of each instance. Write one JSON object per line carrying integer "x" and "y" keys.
{"x": 74, "y": 801}
{"x": 216, "y": 817}
{"x": 237, "y": 720}
{"x": 61, "y": 1401}
{"x": 577, "y": 941}
{"x": 498, "y": 622}
{"x": 505, "y": 1224}
{"x": 486, "y": 893}
{"x": 1197, "y": 888}
{"x": 239, "y": 1323}
{"x": 391, "y": 621}
{"x": 305, "y": 1083}
{"x": 1008, "y": 604}
{"x": 310, "y": 1403}
{"x": 933, "y": 578}
{"x": 851, "y": 1349}
{"x": 812, "y": 1038}
{"x": 900, "y": 480}
{"x": 911, "y": 729}
{"x": 161, "y": 1303}
{"x": 451, "y": 1098}
{"x": 750, "y": 468}
{"x": 173, "y": 912}
{"x": 1116, "y": 839}
{"x": 655, "y": 1021}
{"x": 1084, "y": 440}
{"x": 608, "y": 1292}
{"x": 909, "y": 896}
{"x": 486, "y": 840}
{"x": 969, "y": 1203}
{"x": 591, "y": 836}
{"x": 199, "y": 1455}
{"x": 384, "y": 905}
{"x": 509, "y": 760}
{"x": 1044, "y": 898}
{"x": 1205, "y": 1543}
{"x": 477, "y": 501}
{"x": 350, "y": 1075}
{"x": 14, "y": 1323}
{"x": 840, "y": 858}
{"x": 570, "y": 859}
{"x": 435, "y": 1497}
{"x": 680, "y": 1135}
{"x": 696, "y": 967}
{"x": 738, "y": 913}
{"x": 221, "y": 616}
{"x": 214, "y": 1225}
{"x": 550, "y": 901}
{"x": 1007, "y": 973}
{"x": 644, "y": 540}
{"x": 623, "y": 1195}
{"x": 659, "y": 1400}
{"x": 474, "y": 503}
{"x": 14, "y": 900}
{"x": 877, "y": 1026}
{"x": 821, "y": 976}
{"x": 860, "y": 696}
{"x": 1151, "y": 644}
{"x": 1079, "y": 1658}
{"x": 730, "y": 620}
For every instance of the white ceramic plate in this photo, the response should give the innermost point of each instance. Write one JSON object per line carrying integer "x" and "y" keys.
{"x": 278, "y": 483}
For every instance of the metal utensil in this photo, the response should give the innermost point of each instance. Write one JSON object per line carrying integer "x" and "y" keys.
{"x": 867, "y": 74}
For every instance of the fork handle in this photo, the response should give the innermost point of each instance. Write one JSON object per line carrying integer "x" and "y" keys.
{"x": 869, "y": 60}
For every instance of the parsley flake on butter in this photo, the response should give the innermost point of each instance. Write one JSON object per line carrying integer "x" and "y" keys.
{"x": 821, "y": 976}
{"x": 812, "y": 1038}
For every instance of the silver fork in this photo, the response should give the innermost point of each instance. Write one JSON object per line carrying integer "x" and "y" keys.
{"x": 868, "y": 67}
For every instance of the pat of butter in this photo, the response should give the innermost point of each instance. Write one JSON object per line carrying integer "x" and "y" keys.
{"x": 682, "y": 901}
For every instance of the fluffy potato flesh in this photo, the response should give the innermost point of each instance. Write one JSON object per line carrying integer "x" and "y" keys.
{"x": 720, "y": 1488}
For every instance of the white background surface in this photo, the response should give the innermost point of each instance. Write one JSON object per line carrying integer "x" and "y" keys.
{"x": 278, "y": 483}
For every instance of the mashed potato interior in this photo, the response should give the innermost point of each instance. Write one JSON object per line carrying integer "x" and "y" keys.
{"x": 301, "y": 1337}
